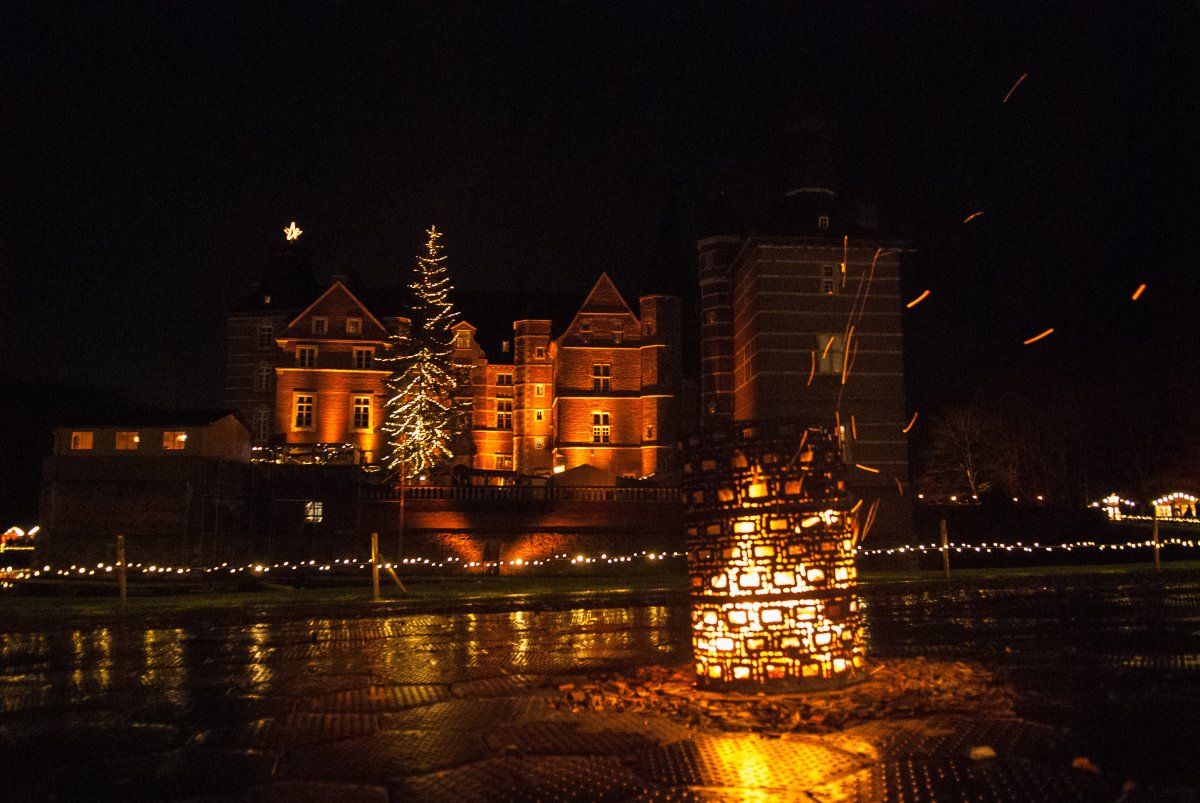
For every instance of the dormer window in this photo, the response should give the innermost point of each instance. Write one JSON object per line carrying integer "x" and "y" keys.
{"x": 354, "y": 326}
{"x": 462, "y": 340}
{"x": 320, "y": 326}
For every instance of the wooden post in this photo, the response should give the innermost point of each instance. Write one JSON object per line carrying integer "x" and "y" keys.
{"x": 945, "y": 549}
{"x": 121, "y": 572}
{"x": 1157, "y": 545}
{"x": 375, "y": 567}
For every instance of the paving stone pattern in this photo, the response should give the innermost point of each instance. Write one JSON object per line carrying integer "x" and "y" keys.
{"x": 468, "y": 707}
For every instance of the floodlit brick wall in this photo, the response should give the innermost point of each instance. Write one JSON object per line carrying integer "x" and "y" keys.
{"x": 533, "y": 439}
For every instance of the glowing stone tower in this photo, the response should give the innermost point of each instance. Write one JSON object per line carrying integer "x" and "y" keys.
{"x": 771, "y": 538}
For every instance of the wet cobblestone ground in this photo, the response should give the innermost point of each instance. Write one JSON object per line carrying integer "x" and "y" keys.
{"x": 467, "y": 706}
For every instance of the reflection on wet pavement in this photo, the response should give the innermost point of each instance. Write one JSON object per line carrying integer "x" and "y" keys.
{"x": 437, "y": 707}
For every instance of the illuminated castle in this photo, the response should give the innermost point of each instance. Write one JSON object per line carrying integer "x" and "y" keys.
{"x": 302, "y": 371}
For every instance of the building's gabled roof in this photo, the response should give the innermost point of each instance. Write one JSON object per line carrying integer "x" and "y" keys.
{"x": 338, "y": 286}
{"x": 143, "y": 419}
{"x": 605, "y": 298}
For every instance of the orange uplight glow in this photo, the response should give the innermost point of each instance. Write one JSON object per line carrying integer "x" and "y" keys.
{"x": 1036, "y": 338}
{"x": 1138, "y": 292}
{"x": 917, "y": 300}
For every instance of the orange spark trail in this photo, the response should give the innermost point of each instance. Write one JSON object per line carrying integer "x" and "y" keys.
{"x": 911, "y": 421}
{"x": 1138, "y": 292}
{"x": 1036, "y": 338}
{"x": 1014, "y": 86}
{"x": 972, "y": 217}
{"x": 813, "y": 369}
{"x": 853, "y": 427}
{"x": 828, "y": 344}
{"x": 899, "y": 487}
{"x": 917, "y": 300}
{"x": 866, "y": 468}
{"x": 845, "y": 251}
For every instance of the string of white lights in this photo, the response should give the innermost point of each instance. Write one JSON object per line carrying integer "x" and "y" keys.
{"x": 102, "y": 569}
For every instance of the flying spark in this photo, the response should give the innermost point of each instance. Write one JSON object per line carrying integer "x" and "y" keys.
{"x": 1014, "y": 86}
{"x": 1138, "y": 292}
{"x": 866, "y": 468}
{"x": 853, "y": 427}
{"x": 1036, "y": 338}
{"x": 911, "y": 421}
{"x": 899, "y": 487}
{"x": 917, "y": 300}
{"x": 813, "y": 368}
{"x": 972, "y": 216}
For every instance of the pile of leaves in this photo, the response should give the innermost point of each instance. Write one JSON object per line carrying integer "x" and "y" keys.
{"x": 893, "y": 689}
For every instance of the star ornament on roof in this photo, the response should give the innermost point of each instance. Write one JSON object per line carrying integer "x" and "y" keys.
{"x": 292, "y": 232}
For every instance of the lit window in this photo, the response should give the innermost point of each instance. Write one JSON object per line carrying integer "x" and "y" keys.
{"x": 504, "y": 379}
{"x": 174, "y": 440}
{"x": 539, "y": 415}
{"x": 262, "y": 425}
{"x": 362, "y": 412}
{"x": 828, "y": 280}
{"x": 262, "y": 377}
{"x": 354, "y": 326}
{"x": 823, "y": 222}
{"x": 539, "y": 390}
{"x": 539, "y": 353}
{"x": 504, "y": 413}
{"x": 81, "y": 440}
{"x": 314, "y": 512}
{"x": 320, "y": 326}
{"x": 306, "y": 356}
{"x": 710, "y": 317}
{"x": 303, "y": 418}
{"x": 266, "y": 335}
{"x": 539, "y": 443}
{"x": 503, "y": 462}
{"x": 602, "y": 376}
{"x": 462, "y": 340}
{"x": 601, "y": 430}
{"x": 830, "y": 354}
{"x": 650, "y": 432}
{"x": 127, "y": 440}
{"x": 363, "y": 359}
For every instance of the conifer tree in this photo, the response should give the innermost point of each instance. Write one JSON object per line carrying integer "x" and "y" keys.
{"x": 422, "y": 415}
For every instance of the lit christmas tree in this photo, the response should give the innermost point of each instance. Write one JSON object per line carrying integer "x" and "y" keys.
{"x": 423, "y": 416}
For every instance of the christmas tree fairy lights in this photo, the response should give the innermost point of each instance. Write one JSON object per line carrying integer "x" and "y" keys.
{"x": 422, "y": 414}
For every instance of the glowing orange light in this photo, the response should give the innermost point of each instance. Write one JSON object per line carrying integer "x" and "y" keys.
{"x": 972, "y": 216}
{"x": 1036, "y": 338}
{"x": 812, "y": 369}
{"x": 1138, "y": 292}
{"x": 917, "y": 300}
{"x": 911, "y": 421}
{"x": 1014, "y": 86}
{"x": 292, "y": 232}
{"x": 853, "y": 428}
{"x": 866, "y": 468}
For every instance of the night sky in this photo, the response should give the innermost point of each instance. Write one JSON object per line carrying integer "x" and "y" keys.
{"x": 150, "y": 155}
